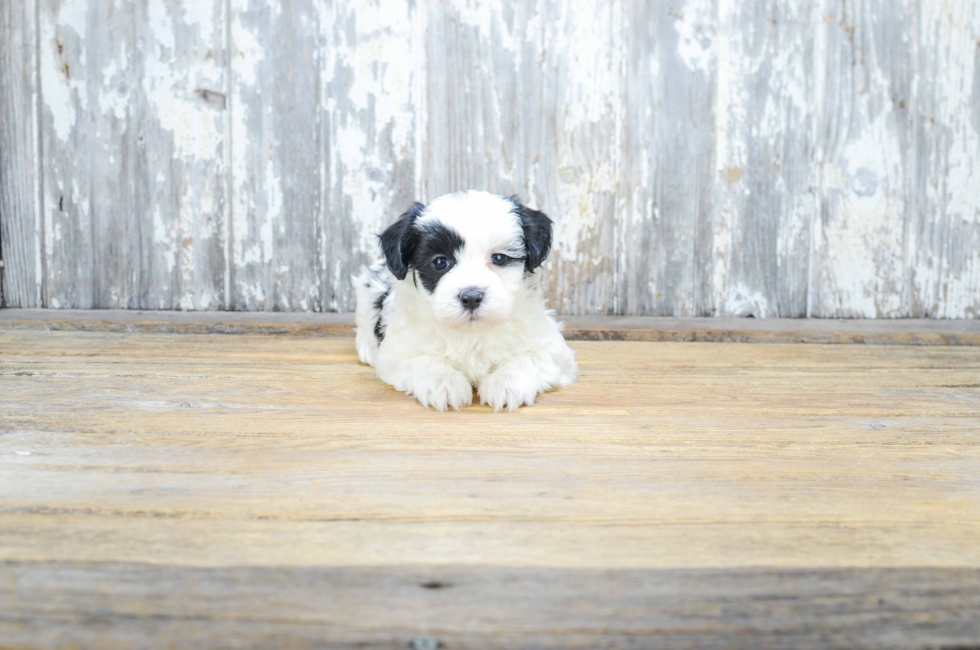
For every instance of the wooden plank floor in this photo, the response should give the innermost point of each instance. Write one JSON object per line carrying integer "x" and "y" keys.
{"x": 163, "y": 490}
{"x": 905, "y": 331}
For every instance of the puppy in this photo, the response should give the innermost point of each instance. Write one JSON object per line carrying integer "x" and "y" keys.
{"x": 455, "y": 305}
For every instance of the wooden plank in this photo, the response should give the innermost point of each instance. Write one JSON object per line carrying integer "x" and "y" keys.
{"x": 944, "y": 271}
{"x": 172, "y": 322}
{"x": 587, "y": 328}
{"x": 774, "y": 330}
{"x": 125, "y": 605}
{"x": 371, "y": 61}
{"x": 526, "y": 97}
{"x": 20, "y": 235}
{"x": 682, "y": 494}
{"x": 275, "y": 168}
{"x": 669, "y": 140}
{"x": 863, "y": 147}
{"x": 134, "y": 192}
{"x": 761, "y": 224}
{"x": 180, "y": 183}
{"x": 90, "y": 128}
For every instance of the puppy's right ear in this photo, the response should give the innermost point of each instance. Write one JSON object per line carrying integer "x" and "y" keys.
{"x": 398, "y": 241}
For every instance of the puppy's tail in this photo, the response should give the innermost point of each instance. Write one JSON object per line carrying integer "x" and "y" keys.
{"x": 372, "y": 289}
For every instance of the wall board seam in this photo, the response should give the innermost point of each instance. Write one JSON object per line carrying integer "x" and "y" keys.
{"x": 228, "y": 152}
{"x": 40, "y": 234}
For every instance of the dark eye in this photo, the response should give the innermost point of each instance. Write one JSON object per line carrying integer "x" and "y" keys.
{"x": 440, "y": 263}
{"x": 499, "y": 259}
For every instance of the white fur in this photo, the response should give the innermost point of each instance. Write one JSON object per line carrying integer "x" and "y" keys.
{"x": 511, "y": 351}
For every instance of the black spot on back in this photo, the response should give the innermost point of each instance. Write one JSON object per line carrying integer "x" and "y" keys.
{"x": 379, "y": 302}
{"x": 379, "y": 325}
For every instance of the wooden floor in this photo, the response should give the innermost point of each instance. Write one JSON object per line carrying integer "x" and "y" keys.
{"x": 163, "y": 490}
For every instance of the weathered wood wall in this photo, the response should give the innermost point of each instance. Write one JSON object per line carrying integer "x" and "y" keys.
{"x": 705, "y": 157}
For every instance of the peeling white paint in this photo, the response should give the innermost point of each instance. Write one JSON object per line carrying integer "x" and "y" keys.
{"x": 731, "y": 96}
{"x": 74, "y": 15}
{"x": 163, "y": 238}
{"x": 592, "y": 102}
{"x": 864, "y": 274}
{"x": 247, "y": 51}
{"x": 594, "y": 84}
{"x": 946, "y": 261}
{"x": 200, "y": 14}
{"x": 695, "y": 25}
{"x": 247, "y": 55}
{"x": 579, "y": 217}
{"x": 37, "y": 173}
{"x": 730, "y": 100}
{"x": 172, "y": 91}
{"x": 161, "y": 25}
{"x": 358, "y": 187}
{"x": 488, "y": 18}
{"x": 744, "y": 302}
{"x": 114, "y": 94}
{"x": 63, "y": 90}
{"x": 273, "y": 207}
{"x": 756, "y": 197}
{"x": 379, "y": 58}
{"x": 874, "y": 165}
{"x": 864, "y": 166}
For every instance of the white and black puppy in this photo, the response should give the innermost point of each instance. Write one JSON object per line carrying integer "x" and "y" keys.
{"x": 455, "y": 305}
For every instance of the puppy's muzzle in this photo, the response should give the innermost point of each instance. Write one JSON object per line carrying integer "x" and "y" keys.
{"x": 471, "y": 299}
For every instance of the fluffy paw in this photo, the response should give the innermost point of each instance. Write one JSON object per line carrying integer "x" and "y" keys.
{"x": 444, "y": 391}
{"x": 502, "y": 390}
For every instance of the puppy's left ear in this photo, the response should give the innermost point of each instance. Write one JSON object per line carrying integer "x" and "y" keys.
{"x": 537, "y": 235}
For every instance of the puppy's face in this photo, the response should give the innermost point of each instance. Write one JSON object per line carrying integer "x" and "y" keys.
{"x": 468, "y": 254}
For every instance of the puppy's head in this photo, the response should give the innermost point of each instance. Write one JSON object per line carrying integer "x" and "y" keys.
{"x": 469, "y": 255}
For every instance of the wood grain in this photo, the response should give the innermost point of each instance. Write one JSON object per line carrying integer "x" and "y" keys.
{"x": 467, "y": 607}
{"x": 90, "y": 128}
{"x": 167, "y": 485}
{"x": 181, "y": 179}
{"x": 761, "y": 223}
{"x": 665, "y": 235}
{"x": 20, "y": 235}
{"x": 526, "y": 97}
{"x": 275, "y": 165}
{"x": 579, "y": 328}
{"x": 944, "y": 234}
{"x": 371, "y": 69}
{"x": 700, "y": 157}
{"x": 134, "y": 143}
{"x": 864, "y": 143}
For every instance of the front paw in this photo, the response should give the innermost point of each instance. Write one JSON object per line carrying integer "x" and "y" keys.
{"x": 444, "y": 391}
{"x": 502, "y": 390}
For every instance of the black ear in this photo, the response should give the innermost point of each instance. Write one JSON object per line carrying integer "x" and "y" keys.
{"x": 398, "y": 241}
{"x": 537, "y": 234}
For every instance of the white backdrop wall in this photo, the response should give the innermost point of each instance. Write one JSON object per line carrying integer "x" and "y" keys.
{"x": 699, "y": 157}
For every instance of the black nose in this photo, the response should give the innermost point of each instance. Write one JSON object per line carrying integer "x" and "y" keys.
{"x": 471, "y": 298}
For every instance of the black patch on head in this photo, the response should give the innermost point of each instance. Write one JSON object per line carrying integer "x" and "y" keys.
{"x": 434, "y": 240}
{"x": 379, "y": 325}
{"x": 398, "y": 241}
{"x": 537, "y": 234}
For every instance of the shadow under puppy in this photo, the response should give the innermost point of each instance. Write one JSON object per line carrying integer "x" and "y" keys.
{"x": 456, "y": 304}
